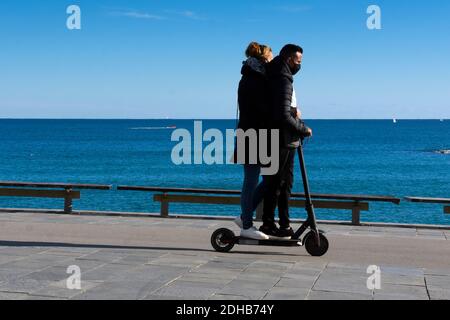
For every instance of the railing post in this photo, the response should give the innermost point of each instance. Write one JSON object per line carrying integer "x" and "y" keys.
{"x": 447, "y": 210}
{"x": 260, "y": 211}
{"x": 68, "y": 207}
{"x": 164, "y": 206}
{"x": 356, "y": 214}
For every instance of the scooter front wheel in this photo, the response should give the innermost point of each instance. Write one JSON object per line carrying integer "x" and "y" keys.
{"x": 222, "y": 240}
{"x": 311, "y": 246}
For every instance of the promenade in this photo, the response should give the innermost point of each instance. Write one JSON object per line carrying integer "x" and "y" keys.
{"x": 155, "y": 258}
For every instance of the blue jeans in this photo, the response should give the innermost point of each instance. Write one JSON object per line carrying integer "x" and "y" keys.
{"x": 252, "y": 193}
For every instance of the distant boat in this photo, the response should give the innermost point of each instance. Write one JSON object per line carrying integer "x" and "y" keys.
{"x": 394, "y": 120}
{"x": 442, "y": 120}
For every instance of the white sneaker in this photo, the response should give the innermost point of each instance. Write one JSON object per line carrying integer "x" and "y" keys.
{"x": 238, "y": 222}
{"x": 254, "y": 234}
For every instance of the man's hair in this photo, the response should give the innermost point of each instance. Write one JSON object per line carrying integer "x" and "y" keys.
{"x": 290, "y": 50}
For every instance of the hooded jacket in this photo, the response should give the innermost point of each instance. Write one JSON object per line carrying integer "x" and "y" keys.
{"x": 254, "y": 102}
{"x": 282, "y": 117}
{"x": 253, "y": 96}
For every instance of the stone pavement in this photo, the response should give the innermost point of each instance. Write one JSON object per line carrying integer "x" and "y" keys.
{"x": 154, "y": 258}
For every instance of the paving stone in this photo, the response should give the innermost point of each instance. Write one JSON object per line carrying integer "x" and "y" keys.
{"x": 280, "y": 293}
{"x": 310, "y": 265}
{"x": 10, "y": 274}
{"x": 253, "y": 294}
{"x": 342, "y": 283}
{"x": 59, "y": 289}
{"x": 23, "y": 285}
{"x": 49, "y": 274}
{"x": 401, "y": 292}
{"x": 216, "y": 272}
{"x": 193, "y": 278}
{"x": 225, "y": 265}
{"x": 103, "y": 256}
{"x": 438, "y": 282}
{"x": 193, "y": 291}
{"x": 437, "y": 272}
{"x": 439, "y": 294}
{"x": 12, "y": 296}
{"x": 273, "y": 264}
{"x": 402, "y": 280}
{"x": 200, "y": 284}
{"x": 106, "y": 272}
{"x": 228, "y": 297}
{"x": 251, "y": 284}
{"x": 33, "y": 297}
{"x": 119, "y": 290}
{"x": 180, "y": 261}
{"x": 247, "y": 276}
{"x": 346, "y": 267}
{"x": 71, "y": 250}
{"x": 402, "y": 271}
{"x": 136, "y": 259}
{"x": 20, "y": 251}
{"x": 57, "y": 293}
{"x": 26, "y": 264}
{"x": 330, "y": 295}
{"x": 5, "y": 259}
{"x": 165, "y": 298}
{"x": 306, "y": 282}
{"x": 153, "y": 273}
{"x": 262, "y": 273}
{"x": 84, "y": 265}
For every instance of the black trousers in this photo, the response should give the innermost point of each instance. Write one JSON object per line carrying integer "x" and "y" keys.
{"x": 278, "y": 190}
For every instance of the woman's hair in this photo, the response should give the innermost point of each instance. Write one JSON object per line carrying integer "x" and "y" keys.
{"x": 258, "y": 51}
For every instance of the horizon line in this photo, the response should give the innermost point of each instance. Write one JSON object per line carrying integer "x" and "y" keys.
{"x": 233, "y": 119}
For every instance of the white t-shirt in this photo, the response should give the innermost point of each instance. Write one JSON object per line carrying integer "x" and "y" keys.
{"x": 294, "y": 99}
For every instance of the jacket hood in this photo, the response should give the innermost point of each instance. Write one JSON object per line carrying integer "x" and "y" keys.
{"x": 253, "y": 65}
{"x": 278, "y": 67}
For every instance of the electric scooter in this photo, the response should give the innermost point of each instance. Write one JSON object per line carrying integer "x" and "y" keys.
{"x": 315, "y": 242}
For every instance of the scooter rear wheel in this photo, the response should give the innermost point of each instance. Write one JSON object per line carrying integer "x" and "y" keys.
{"x": 312, "y": 247}
{"x": 222, "y": 240}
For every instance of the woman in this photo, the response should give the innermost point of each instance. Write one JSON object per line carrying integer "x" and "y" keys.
{"x": 253, "y": 107}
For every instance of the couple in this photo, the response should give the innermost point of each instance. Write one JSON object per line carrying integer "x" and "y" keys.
{"x": 267, "y": 100}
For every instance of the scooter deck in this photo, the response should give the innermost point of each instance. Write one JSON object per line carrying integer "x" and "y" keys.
{"x": 269, "y": 243}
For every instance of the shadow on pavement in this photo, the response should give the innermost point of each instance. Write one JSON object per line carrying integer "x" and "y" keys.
{"x": 100, "y": 246}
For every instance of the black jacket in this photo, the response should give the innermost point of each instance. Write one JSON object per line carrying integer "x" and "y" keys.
{"x": 281, "y": 115}
{"x": 254, "y": 101}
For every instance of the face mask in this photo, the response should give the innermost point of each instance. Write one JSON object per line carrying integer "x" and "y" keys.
{"x": 295, "y": 69}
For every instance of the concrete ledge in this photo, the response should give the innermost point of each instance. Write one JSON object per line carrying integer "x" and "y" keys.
{"x": 218, "y": 218}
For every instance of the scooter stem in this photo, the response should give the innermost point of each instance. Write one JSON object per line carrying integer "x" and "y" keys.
{"x": 309, "y": 203}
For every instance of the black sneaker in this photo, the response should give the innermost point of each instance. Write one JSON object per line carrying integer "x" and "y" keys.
{"x": 285, "y": 233}
{"x": 271, "y": 231}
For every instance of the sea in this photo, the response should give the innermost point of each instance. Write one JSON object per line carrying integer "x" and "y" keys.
{"x": 360, "y": 157}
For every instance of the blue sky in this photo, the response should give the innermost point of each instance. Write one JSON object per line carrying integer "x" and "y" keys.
{"x": 181, "y": 59}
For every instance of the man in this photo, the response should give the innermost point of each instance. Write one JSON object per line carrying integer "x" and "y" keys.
{"x": 286, "y": 119}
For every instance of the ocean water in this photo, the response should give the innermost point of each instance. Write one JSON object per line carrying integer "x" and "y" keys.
{"x": 344, "y": 157}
